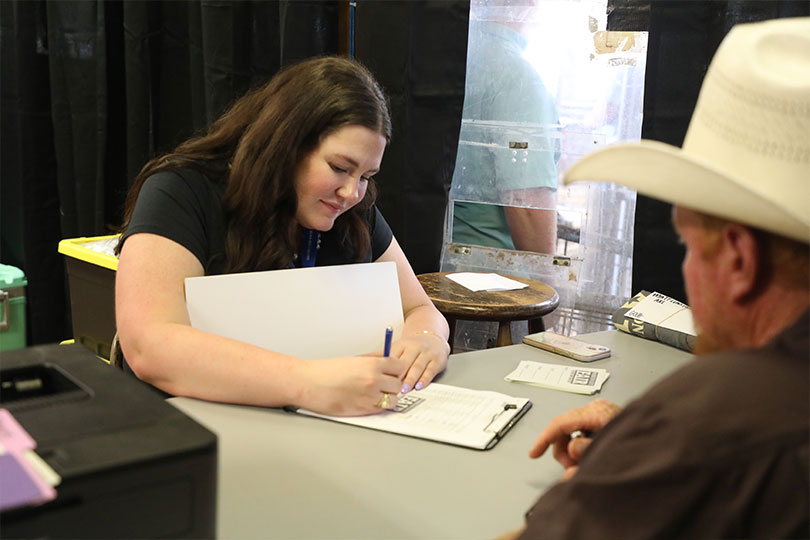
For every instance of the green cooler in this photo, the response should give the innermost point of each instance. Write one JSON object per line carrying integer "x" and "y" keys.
{"x": 12, "y": 308}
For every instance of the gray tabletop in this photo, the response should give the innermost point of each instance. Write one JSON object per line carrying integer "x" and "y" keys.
{"x": 283, "y": 475}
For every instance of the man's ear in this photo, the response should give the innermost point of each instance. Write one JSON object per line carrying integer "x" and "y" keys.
{"x": 741, "y": 266}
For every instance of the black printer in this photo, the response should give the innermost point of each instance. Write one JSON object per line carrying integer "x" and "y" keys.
{"x": 132, "y": 465}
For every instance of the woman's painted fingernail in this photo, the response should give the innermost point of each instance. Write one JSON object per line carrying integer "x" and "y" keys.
{"x": 405, "y": 388}
{"x": 419, "y": 385}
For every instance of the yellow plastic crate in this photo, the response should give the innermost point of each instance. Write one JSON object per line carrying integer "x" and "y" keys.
{"x": 91, "y": 268}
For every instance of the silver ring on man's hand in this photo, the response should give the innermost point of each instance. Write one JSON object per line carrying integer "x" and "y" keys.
{"x": 385, "y": 401}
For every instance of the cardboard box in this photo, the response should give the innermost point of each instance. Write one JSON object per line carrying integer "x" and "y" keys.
{"x": 91, "y": 268}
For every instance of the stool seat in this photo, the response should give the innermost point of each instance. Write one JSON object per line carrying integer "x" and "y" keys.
{"x": 457, "y": 302}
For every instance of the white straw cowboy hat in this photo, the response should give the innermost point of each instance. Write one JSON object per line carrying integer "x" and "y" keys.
{"x": 746, "y": 155}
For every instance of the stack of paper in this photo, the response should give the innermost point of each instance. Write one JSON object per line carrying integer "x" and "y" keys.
{"x": 578, "y": 380}
{"x": 476, "y": 282}
{"x": 25, "y": 478}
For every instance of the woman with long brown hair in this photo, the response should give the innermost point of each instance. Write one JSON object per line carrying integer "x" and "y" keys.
{"x": 283, "y": 179}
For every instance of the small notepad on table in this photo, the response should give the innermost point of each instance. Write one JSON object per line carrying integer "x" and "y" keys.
{"x": 579, "y": 380}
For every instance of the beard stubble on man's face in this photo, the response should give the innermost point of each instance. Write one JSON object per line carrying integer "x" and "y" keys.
{"x": 702, "y": 281}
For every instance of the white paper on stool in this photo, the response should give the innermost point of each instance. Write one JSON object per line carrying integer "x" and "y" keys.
{"x": 476, "y": 281}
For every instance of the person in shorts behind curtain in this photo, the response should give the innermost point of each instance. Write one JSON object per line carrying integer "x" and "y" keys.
{"x": 720, "y": 448}
{"x": 283, "y": 179}
{"x": 502, "y": 86}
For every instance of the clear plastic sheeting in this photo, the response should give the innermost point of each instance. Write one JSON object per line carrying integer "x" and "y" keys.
{"x": 593, "y": 84}
{"x": 606, "y": 249}
{"x": 510, "y": 148}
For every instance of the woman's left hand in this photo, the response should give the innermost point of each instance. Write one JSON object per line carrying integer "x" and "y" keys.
{"x": 426, "y": 354}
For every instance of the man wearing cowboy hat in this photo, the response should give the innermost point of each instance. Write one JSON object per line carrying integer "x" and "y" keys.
{"x": 720, "y": 448}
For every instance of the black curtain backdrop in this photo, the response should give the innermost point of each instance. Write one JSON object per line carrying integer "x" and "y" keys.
{"x": 418, "y": 50}
{"x": 92, "y": 89}
{"x": 683, "y": 38}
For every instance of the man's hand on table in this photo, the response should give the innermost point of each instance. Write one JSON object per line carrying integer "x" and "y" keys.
{"x": 569, "y": 433}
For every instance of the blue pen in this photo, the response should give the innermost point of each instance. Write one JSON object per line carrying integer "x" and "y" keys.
{"x": 389, "y": 332}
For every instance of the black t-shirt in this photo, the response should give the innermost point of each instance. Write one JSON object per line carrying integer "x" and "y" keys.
{"x": 185, "y": 206}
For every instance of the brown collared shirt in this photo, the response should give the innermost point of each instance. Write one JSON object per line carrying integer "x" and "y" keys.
{"x": 719, "y": 449}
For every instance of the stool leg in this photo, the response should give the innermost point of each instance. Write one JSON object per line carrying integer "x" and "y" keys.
{"x": 536, "y": 325}
{"x": 504, "y": 334}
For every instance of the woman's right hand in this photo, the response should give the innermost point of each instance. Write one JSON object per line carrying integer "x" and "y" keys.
{"x": 350, "y": 386}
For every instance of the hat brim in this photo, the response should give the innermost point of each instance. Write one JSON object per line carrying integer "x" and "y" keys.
{"x": 665, "y": 172}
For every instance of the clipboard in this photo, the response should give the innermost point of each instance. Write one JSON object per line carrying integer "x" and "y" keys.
{"x": 500, "y": 434}
{"x": 476, "y": 419}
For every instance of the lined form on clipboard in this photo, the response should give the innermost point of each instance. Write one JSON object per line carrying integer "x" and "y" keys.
{"x": 449, "y": 414}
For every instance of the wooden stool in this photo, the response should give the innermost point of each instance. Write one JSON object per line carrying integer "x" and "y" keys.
{"x": 457, "y": 302}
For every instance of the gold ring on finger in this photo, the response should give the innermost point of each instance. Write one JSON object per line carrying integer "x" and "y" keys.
{"x": 385, "y": 401}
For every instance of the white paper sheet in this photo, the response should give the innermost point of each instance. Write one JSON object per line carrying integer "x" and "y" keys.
{"x": 579, "y": 380}
{"x": 476, "y": 281}
{"x": 318, "y": 312}
{"x": 448, "y": 414}
{"x": 666, "y": 312}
